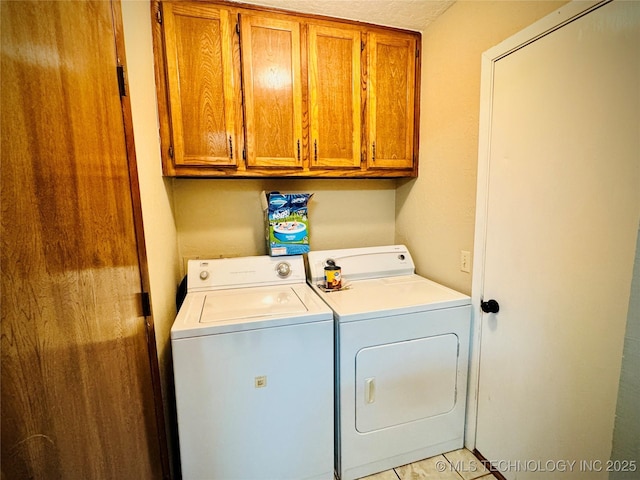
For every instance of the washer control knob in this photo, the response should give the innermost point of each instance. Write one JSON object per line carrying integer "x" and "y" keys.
{"x": 283, "y": 269}
{"x": 204, "y": 274}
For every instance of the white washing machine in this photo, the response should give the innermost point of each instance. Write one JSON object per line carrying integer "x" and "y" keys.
{"x": 402, "y": 346}
{"x": 253, "y": 366}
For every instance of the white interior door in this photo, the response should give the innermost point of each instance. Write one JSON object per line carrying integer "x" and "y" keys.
{"x": 559, "y": 205}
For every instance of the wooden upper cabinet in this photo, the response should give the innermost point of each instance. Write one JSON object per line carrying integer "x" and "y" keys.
{"x": 335, "y": 97}
{"x": 201, "y": 82}
{"x": 272, "y": 85}
{"x": 391, "y": 100}
{"x": 249, "y": 91}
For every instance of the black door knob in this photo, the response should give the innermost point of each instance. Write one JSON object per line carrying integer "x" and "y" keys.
{"x": 490, "y": 307}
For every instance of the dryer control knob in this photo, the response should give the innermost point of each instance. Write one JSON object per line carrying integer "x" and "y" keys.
{"x": 283, "y": 269}
{"x": 204, "y": 275}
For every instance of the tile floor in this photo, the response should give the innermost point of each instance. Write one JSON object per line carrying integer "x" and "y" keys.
{"x": 456, "y": 465}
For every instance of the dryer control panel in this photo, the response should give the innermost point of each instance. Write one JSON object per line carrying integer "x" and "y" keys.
{"x": 362, "y": 263}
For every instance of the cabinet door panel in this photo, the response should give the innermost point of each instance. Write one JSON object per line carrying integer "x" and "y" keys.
{"x": 200, "y": 79}
{"x": 273, "y": 92}
{"x": 334, "y": 91}
{"x": 391, "y": 100}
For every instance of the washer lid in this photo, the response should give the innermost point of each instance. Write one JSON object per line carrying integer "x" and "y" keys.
{"x": 227, "y": 305}
{"x": 241, "y": 309}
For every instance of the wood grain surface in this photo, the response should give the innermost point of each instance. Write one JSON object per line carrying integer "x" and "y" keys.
{"x": 200, "y": 72}
{"x": 335, "y": 96}
{"x": 391, "y": 100}
{"x": 273, "y": 91}
{"x": 307, "y": 104}
{"x": 77, "y": 396}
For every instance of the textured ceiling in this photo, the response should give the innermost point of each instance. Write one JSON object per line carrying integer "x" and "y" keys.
{"x": 408, "y": 14}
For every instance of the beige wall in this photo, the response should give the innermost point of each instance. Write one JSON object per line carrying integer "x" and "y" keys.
{"x": 435, "y": 214}
{"x": 155, "y": 191}
{"x": 224, "y": 217}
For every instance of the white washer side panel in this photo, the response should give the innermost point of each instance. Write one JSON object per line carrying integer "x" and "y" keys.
{"x": 232, "y": 427}
{"x": 361, "y": 454}
{"x": 405, "y": 381}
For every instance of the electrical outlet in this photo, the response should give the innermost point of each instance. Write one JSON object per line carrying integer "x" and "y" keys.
{"x": 465, "y": 261}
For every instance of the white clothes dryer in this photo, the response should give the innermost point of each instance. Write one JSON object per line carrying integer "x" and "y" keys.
{"x": 253, "y": 367}
{"x": 402, "y": 349}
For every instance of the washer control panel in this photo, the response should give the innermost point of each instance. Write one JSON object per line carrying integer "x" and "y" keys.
{"x": 224, "y": 273}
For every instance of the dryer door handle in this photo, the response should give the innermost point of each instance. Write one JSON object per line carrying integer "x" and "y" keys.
{"x": 369, "y": 390}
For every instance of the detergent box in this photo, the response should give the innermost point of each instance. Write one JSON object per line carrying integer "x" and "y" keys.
{"x": 287, "y": 222}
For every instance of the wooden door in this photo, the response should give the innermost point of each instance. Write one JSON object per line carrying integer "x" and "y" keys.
{"x": 272, "y": 91}
{"x": 391, "y": 100}
{"x": 202, "y": 82}
{"x": 556, "y": 238}
{"x": 335, "y": 98}
{"x": 77, "y": 382}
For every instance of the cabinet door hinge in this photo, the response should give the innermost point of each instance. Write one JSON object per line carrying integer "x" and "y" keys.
{"x": 417, "y": 52}
{"x": 244, "y": 154}
{"x": 361, "y": 45}
{"x": 159, "y": 16}
{"x": 121, "y": 83}
{"x": 238, "y": 28}
{"x": 170, "y": 151}
{"x": 146, "y": 304}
